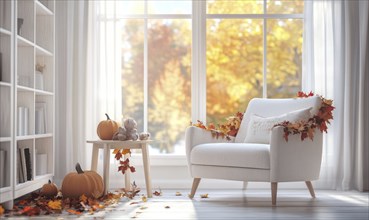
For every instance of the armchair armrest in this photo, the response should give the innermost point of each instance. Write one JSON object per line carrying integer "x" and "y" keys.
{"x": 294, "y": 160}
{"x": 196, "y": 136}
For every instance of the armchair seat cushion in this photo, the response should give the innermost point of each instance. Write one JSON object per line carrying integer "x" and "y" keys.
{"x": 245, "y": 155}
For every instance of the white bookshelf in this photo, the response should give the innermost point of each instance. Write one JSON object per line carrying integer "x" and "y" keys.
{"x": 27, "y": 33}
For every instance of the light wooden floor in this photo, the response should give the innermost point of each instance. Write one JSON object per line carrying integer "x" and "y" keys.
{"x": 236, "y": 204}
{"x": 252, "y": 204}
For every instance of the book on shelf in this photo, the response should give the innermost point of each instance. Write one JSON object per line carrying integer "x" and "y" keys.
{"x": 19, "y": 167}
{"x": 2, "y": 168}
{"x": 27, "y": 154}
{"x": 40, "y": 118}
{"x": 24, "y": 168}
{"x": 23, "y": 113}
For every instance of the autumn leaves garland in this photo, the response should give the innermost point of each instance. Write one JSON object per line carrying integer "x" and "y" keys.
{"x": 305, "y": 129}
{"x": 227, "y": 130}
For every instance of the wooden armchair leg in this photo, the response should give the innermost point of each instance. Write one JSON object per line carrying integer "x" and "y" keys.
{"x": 274, "y": 192}
{"x": 195, "y": 184}
{"x": 311, "y": 189}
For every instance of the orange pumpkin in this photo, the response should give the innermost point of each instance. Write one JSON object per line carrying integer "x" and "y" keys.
{"x": 49, "y": 189}
{"x": 106, "y": 129}
{"x": 88, "y": 183}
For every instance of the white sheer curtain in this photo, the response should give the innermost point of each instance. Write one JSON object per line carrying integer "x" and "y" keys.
{"x": 71, "y": 35}
{"x": 88, "y": 79}
{"x": 336, "y": 66}
{"x": 104, "y": 83}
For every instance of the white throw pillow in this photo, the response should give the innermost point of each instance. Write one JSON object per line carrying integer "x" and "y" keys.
{"x": 259, "y": 128}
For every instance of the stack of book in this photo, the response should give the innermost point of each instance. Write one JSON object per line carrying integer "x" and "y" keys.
{"x": 24, "y": 164}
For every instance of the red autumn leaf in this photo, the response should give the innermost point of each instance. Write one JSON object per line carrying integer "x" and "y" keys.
{"x": 303, "y": 135}
{"x": 30, "y": 211}
{"x": 323, "y": 127}
{"x": 132, "y": 169}
{"x": 156, "y": 193}
{"x": 122, "y": 169}
{"x": 125, "y": 162}
{"x": 118, "y": 155}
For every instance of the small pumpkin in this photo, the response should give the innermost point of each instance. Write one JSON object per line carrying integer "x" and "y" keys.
{"x": 107, "y": 128}
{"x": 88, "y": 183}
{"x": 49, "y": 190}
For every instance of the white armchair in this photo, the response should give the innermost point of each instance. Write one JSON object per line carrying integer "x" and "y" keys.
{"x": 276, "y": 161}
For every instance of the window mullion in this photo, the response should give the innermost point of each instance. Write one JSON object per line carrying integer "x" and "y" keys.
{"x": 265, "y": 52}
{"x": 145, "y": 107}
{"x": 198, "y": 76}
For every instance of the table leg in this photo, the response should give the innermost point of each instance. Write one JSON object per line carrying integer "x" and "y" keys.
{"x": 146, "y": 163}
{"x": 95, "y": 154}
{"x": 127, "y": 176}
{"x": 106, "y": 167}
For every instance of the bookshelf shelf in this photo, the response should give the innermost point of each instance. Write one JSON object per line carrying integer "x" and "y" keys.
{"x": 27, "y": 110}
{"x": 42, "y": 52}
{"x": 42, "y": 9}
{"x": 23, "y": 42}
{"x": 42, "y": 92}
{"x": 5, "y": 32}
{"x": 25, "y": 89}
{"x": 5, "y": 139}
{"x": 5, "y": 84}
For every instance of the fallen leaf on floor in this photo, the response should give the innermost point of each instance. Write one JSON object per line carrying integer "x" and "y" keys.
{"x": 144, "y": 199}
{"x": 56, "y": 205}
{"x": 178, "y": 193}
{"x": 133, "y": 203}
{"x": 83, "y": 198}
{"x": 1, "y": 210}
{"x": 143, "y": 207}
{"x": 167, "y": 207}
{"x": 204, "y": 196}
{"x": 156, "y": 193}
{"x": 74, "y": 212}
{"x": 35, "y": 204}
{"x": 30, "y": 211}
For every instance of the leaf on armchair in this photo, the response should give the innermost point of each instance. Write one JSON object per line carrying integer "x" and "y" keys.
{"x": 307, "y": 128}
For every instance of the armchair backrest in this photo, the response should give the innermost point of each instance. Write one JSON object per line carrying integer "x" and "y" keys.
{"x": 275, "y": 107}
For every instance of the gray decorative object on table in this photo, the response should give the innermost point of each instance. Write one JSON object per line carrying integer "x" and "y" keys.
{"x": 144, "y": 136}
{"x": 128, "y": 131}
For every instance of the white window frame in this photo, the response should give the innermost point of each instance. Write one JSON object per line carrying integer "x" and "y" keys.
{"x": 198, "y": 75}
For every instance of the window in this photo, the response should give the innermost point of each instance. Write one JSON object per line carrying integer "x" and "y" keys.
{"x": 155, "y": 55}
{"x": 253, "y": 49}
